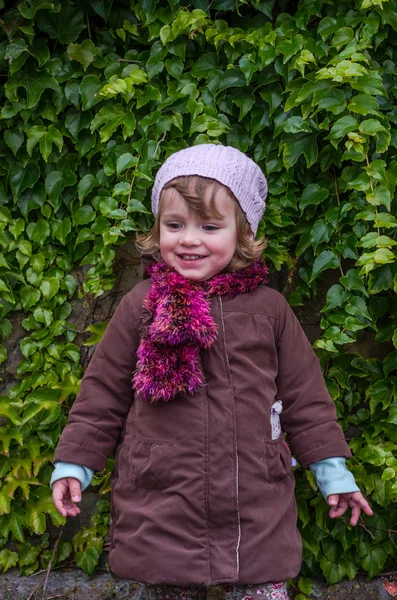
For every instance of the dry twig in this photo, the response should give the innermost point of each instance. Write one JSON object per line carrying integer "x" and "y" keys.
{"x": 50, "y": 563}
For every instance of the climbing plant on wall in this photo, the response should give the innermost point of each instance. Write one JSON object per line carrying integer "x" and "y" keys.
{"x": 94, "y": 96}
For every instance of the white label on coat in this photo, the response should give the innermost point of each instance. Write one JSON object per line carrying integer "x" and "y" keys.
{"x": 275, "y": 412}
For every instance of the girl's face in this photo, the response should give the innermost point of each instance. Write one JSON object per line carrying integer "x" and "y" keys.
{"x": 195, "y": 247}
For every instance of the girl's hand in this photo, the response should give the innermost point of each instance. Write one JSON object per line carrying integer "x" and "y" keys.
{"x": 65, "y": 492}
{"x": 340, "y": 502}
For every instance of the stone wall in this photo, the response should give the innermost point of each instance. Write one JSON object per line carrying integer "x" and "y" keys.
{"x": 73, "y": 584}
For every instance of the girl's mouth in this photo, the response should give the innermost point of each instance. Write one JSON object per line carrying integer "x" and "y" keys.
{"x": 191, "y": 256}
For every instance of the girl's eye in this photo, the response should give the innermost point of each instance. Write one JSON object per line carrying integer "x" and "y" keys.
{"x": 173, "y": 225}
{"x": 210, "y": 228}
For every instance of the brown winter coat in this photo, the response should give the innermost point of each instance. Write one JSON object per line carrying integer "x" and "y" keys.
{"x": 201, "y": 494}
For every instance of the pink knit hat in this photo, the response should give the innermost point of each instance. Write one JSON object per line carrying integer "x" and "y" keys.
{"x": 225, "y": 164}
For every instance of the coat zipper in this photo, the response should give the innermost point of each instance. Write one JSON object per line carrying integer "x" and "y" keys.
{"x": 235, "y": 432}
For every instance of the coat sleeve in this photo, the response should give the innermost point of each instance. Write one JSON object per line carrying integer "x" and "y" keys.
{"x": 105, "y": 395}
{"x": 309, "y": 414}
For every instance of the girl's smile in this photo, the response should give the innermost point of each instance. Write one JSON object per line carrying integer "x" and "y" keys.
{"x": 197, "y": 247}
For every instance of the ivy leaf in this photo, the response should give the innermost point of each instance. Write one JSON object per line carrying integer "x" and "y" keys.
{"x": 8, "y": 559}
{"x": 357, "y": 306}
{"x": 29, "y": 12}
{"x": 8, "y": 409}
{"x": 72, "y": 92}
{"x": 69, "y": 386}
{"x": 371, "y": 127}
{"x": 84, "y": 235}
{"x": 15, "y": 522}
{"x": 333, "y": 572}
{"x": 54, "y": 185}
{"x": 380, "y": 392}
{"x": 49, "y": 287}
{"x": 3, "y": 356}
{"x": 245, "y": 102}
{"x": 28, "y": 554}
{"x": 29, "y": 296}
{"x": 313, "y": 194}
{"x": 204, "y": 65}
{"x": 34, "y": 82}
{"x": 126, "y": 161}
{"x": 38, "y": 262}
{"x": 72, "y": 351}
{"x": 5, "y": 329}
{"x": 336, "y": 296}
{"x": 385, "y": 220}
{"x": 61, "y": 229}
{"x": 319, "y": 233}
{"x": 154, "y": 66}
{"x": 364, "y": 105}
{"x": 333, "y": 100}
{"x": 353, "y": 281}
{"x": 327, "y": 27}
{"x": 232, "y": 78}
{"x": 87, "y": 559}
{"x": 373, "y": 454}
{"x": 23, "y": 177}
{"x": 174, "y": 67}
{"x": 380, "y": 195}
{"x": 111, "y": 117}
{"x": 5, "y": 503}
{"x": 374, "y": 561}
{"x": 370, "y": 84}
{"x": 38, "y": 232}
{"x": 83, "y": 53}
{"x": 46, "y": 138}
{"x": 70, "y": 284}
{"x": 305, "y": 585}
{"x": 147, "y": 94}
{"x": 97, "y": 330}
{"x": 341, "y": 127}
{"x": 248, "y": 66}
{"x": 39, "y": 505}
{"x": 296, "y": 145}
{"x": 85, "y": 214}
{"x": 14, "y": 139}
{"x": 43, "y": 315}
{"x": 22, "y": 482}
{"x": 64, "y": 26}
{"x": 89, "y": 91}
{"x": 102, "y": 7}
{"x": 86, "y": 184}
{"x": 326, "y": 260}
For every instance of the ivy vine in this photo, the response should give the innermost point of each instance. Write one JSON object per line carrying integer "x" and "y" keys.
{"x": 94, "y": 96}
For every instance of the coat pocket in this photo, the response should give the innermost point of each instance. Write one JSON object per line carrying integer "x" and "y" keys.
{"x": 150, "y": 462}
{"x": 278, "y": 460}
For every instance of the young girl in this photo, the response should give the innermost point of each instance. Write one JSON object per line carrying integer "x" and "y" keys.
{"x": 203, "y": 489}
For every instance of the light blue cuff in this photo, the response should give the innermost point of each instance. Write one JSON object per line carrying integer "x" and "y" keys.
{"x": 64, "y": 469}
{"x": 333, "y": 477}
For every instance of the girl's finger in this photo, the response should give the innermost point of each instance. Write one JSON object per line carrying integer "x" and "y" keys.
{"x": 74, "y": 489}
{"x": 364, "y": 505}
{"x": 358, "y": 498}
{"x": 339, "y": 510}
{"x": 356, "y": 510}
{"x": 57, "y": 498}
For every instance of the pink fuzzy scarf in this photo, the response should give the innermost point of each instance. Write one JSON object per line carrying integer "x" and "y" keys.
{"x": 178, "y": 324}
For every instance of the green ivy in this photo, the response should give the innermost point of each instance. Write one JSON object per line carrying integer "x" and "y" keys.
{"x": 94, "y": 96}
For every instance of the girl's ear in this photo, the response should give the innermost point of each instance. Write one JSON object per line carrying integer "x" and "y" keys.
{"x": 248, "y": 232}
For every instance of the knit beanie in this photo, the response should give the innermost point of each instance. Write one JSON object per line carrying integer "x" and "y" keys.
{"x": 225, "y": 164}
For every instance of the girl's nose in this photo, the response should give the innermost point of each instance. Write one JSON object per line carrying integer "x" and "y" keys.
{"x": 189, "y": 237}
